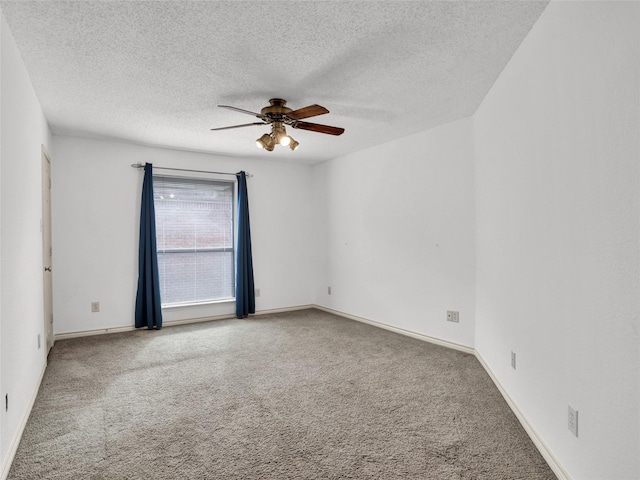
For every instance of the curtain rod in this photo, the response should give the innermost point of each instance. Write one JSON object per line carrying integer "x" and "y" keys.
{"x": 141, "y": 165}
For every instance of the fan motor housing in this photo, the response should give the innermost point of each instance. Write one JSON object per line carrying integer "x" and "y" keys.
{"x": 276, "y": 109}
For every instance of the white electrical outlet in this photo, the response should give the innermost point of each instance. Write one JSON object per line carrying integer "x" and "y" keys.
{"x": 38, "y": 341}
{"x": 329, "y": 290}
{"x": 573, "y": 421}
{"x": 513, "y": 360}
{"x": 257, "y": 292}
{"x": 453, "y": 316}
{"x": 95, "y": 307}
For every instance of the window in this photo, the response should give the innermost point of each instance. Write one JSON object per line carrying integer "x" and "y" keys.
{"x": 194, "y": 230}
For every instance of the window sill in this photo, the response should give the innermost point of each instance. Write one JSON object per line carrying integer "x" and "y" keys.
{"x": 197, "y": 304}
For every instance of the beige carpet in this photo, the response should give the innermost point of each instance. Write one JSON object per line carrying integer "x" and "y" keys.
{"x": 302, "y": 395}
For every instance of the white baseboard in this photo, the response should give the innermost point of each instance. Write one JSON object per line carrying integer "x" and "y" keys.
{"x": 172, "y": 323}
{"x": 402, "y": 331}
{"x": 284, "y": 310}
{"x": 546, "y": 453}
{"x": 88, "y": 333}
{"x": 15, "y": 441}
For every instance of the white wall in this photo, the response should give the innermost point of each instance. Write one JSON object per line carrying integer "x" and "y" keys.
{"x": 23, "y": 131}
{"x": 96, "y": 209}
{"x": 396, "y": 226}
{"x": 558, "y": 211}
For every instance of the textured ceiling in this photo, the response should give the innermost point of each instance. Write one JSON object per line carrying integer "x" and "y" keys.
{"x": 152, "y": 72}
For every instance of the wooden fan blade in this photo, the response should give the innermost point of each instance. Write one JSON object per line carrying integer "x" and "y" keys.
{"x": 306, "y": 112}
{"x": 259, "y": 115}
{"x": 316, "y": 127}
{"x": 239, "y": 126}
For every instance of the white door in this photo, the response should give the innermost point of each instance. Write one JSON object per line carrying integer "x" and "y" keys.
{"x": 47, "y": 252}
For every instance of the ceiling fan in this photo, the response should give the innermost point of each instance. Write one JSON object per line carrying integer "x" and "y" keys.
{"x": 278, "y": 115}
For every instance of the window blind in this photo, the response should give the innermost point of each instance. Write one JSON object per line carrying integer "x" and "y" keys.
{"x": 194, "y": 229}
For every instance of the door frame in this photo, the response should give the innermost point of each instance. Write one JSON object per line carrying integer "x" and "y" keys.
{"x": 47, "y": 252}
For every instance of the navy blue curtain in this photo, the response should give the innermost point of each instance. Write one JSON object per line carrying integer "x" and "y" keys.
{"x": 148, "y": 310}
{"x": 245, "y": 295}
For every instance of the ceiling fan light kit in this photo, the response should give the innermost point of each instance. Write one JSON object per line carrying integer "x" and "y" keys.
{"x": 279, "y": 134}
{"x": 278, "y": 115}
{"x": 266, "y": 142}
